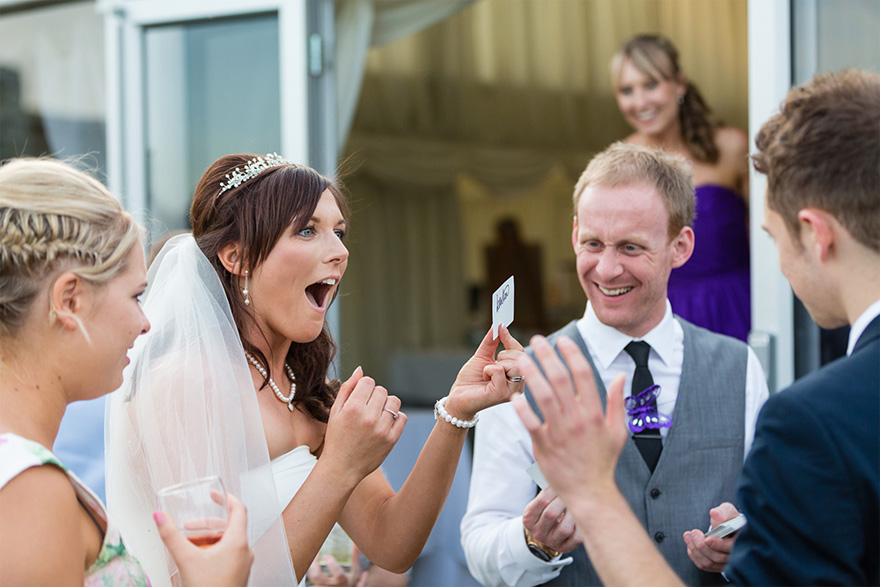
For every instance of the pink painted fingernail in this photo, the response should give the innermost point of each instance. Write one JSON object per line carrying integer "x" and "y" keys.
{"x": 158, "y": 517}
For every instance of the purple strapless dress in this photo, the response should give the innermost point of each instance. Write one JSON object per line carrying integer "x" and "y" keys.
{"x": 712, "y": 289}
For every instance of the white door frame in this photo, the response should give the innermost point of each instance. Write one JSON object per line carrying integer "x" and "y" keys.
{"x": 772, "y": 337}
{"x": 125, "y": 21}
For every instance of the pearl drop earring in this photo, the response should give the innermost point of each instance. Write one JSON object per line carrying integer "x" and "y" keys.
{"x": 244, "y": 292}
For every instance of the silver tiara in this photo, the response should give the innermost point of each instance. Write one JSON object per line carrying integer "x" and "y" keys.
{"x": 254, "y": 167}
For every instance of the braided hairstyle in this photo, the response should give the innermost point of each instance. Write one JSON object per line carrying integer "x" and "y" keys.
{"x": 256, "y": 214}
{"x": 54, "y": 218}
{"x": 656, "y": 57}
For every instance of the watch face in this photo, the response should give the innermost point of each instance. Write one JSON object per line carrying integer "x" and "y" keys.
{"x": 539, "y": 553}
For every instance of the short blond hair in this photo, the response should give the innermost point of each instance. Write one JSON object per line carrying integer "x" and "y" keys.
{"x": 625, "y": 164}
{"x": 54, "y": 217}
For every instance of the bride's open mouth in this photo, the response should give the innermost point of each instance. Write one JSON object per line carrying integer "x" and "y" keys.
{"x": 318, "y": 293}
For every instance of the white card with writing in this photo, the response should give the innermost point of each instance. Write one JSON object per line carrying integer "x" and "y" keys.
{"x": 502, "y": 306}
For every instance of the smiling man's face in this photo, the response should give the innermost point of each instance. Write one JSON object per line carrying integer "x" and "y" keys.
{"x": 624, "y": 254}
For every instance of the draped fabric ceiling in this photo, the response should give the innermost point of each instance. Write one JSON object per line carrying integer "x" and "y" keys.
{"x": 494, "y": 112}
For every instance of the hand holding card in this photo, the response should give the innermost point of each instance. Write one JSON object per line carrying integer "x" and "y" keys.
{"x": 490, "y": 376}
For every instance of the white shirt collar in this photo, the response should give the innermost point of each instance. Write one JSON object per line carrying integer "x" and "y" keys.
{"x": 608, "y": 342}
{"x": 860, "y": 324}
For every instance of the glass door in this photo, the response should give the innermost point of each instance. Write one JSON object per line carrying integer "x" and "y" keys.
{"x": 829, "y": 35}
{"x": 189, "y": 82}
{"x": 211, "y": 88}
{"x": 789, "y": 42}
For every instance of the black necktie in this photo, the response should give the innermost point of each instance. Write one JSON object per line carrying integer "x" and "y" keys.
{"x": 648, "y": 440}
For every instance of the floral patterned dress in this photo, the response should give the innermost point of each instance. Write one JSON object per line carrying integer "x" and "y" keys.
{"x": 114, "y": 565}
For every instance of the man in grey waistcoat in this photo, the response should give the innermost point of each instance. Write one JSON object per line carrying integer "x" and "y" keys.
{"x": 695, "y": 395}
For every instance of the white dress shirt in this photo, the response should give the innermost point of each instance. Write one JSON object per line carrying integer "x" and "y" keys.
{"x": 492, "y": 530}
{"x": 858, "y": 327}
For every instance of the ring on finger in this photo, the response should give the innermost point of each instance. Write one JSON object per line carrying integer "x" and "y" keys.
{"x": 392, "y": 412}
{"x": 515, "y": 379}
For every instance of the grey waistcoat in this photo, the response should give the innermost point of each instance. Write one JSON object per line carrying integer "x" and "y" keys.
{"x": 701, "y": 460}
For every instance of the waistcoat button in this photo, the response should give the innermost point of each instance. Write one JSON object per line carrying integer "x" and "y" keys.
{"x": 655, "y": 493}
{"x": 659, "y": 536}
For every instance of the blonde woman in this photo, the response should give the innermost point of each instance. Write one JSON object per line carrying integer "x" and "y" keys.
{"x": 71, "y": 273}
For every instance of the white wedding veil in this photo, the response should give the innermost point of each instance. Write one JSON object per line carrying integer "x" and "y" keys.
{"x": 187, "y": 409}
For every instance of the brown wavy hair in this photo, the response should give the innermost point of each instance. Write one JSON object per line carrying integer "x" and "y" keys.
{"x": 656, "y": 57}
{"x": 822, "y": 150}
{"x": 255, "y": 215}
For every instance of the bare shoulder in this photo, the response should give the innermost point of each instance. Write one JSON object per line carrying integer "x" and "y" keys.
{"x": 41, "y": 515}
{"x": 732, "y": 141}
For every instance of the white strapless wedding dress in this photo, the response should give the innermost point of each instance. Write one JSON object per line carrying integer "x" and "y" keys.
{"x": 290, "y": 471}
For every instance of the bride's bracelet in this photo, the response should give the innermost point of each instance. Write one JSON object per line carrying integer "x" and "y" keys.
{"x": 440, "y": 413}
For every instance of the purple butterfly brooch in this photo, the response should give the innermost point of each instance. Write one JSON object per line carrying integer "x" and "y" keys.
{"x": 642, "y": 411}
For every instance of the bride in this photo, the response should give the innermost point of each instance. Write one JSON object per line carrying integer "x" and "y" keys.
{"x": 233, "y": 380}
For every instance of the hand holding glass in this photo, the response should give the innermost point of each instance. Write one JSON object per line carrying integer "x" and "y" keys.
{"x": 198, "y": 508}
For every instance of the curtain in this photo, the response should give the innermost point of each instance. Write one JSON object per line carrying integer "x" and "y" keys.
{"x": 489, "y": 114}
{"x": 404, "y": 289}
{"x": 361, "y": 24}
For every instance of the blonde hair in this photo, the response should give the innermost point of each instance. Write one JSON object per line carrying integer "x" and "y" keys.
{"x": 624, "y": 164}
{"x": 53, "y": 217}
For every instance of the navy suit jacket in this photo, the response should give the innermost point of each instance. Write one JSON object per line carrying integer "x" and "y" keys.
{"x": 811, "y": 484}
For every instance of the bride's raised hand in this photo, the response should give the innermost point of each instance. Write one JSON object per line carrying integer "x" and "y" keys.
{"x": 486, "y": 380}
{"x": 364, "y": 425}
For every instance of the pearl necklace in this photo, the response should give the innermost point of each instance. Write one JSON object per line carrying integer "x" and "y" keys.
{"x": 278, "y": 394}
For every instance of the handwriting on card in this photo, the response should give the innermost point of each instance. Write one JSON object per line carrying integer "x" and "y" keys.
{"x": 502, "y": 306}
{"x": 500, "y": 301}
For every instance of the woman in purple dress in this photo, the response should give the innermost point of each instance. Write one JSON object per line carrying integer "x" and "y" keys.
{"x": 668, "y": 112}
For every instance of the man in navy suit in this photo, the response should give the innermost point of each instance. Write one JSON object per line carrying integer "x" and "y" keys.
{"x": 810, "y": 487}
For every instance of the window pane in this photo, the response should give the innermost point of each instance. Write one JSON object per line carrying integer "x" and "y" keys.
{"x": 212, "y": 88}
{"x": 52, "y": 84}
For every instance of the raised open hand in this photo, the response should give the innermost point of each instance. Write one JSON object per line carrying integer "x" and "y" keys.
{"x": 578, "y": 443}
